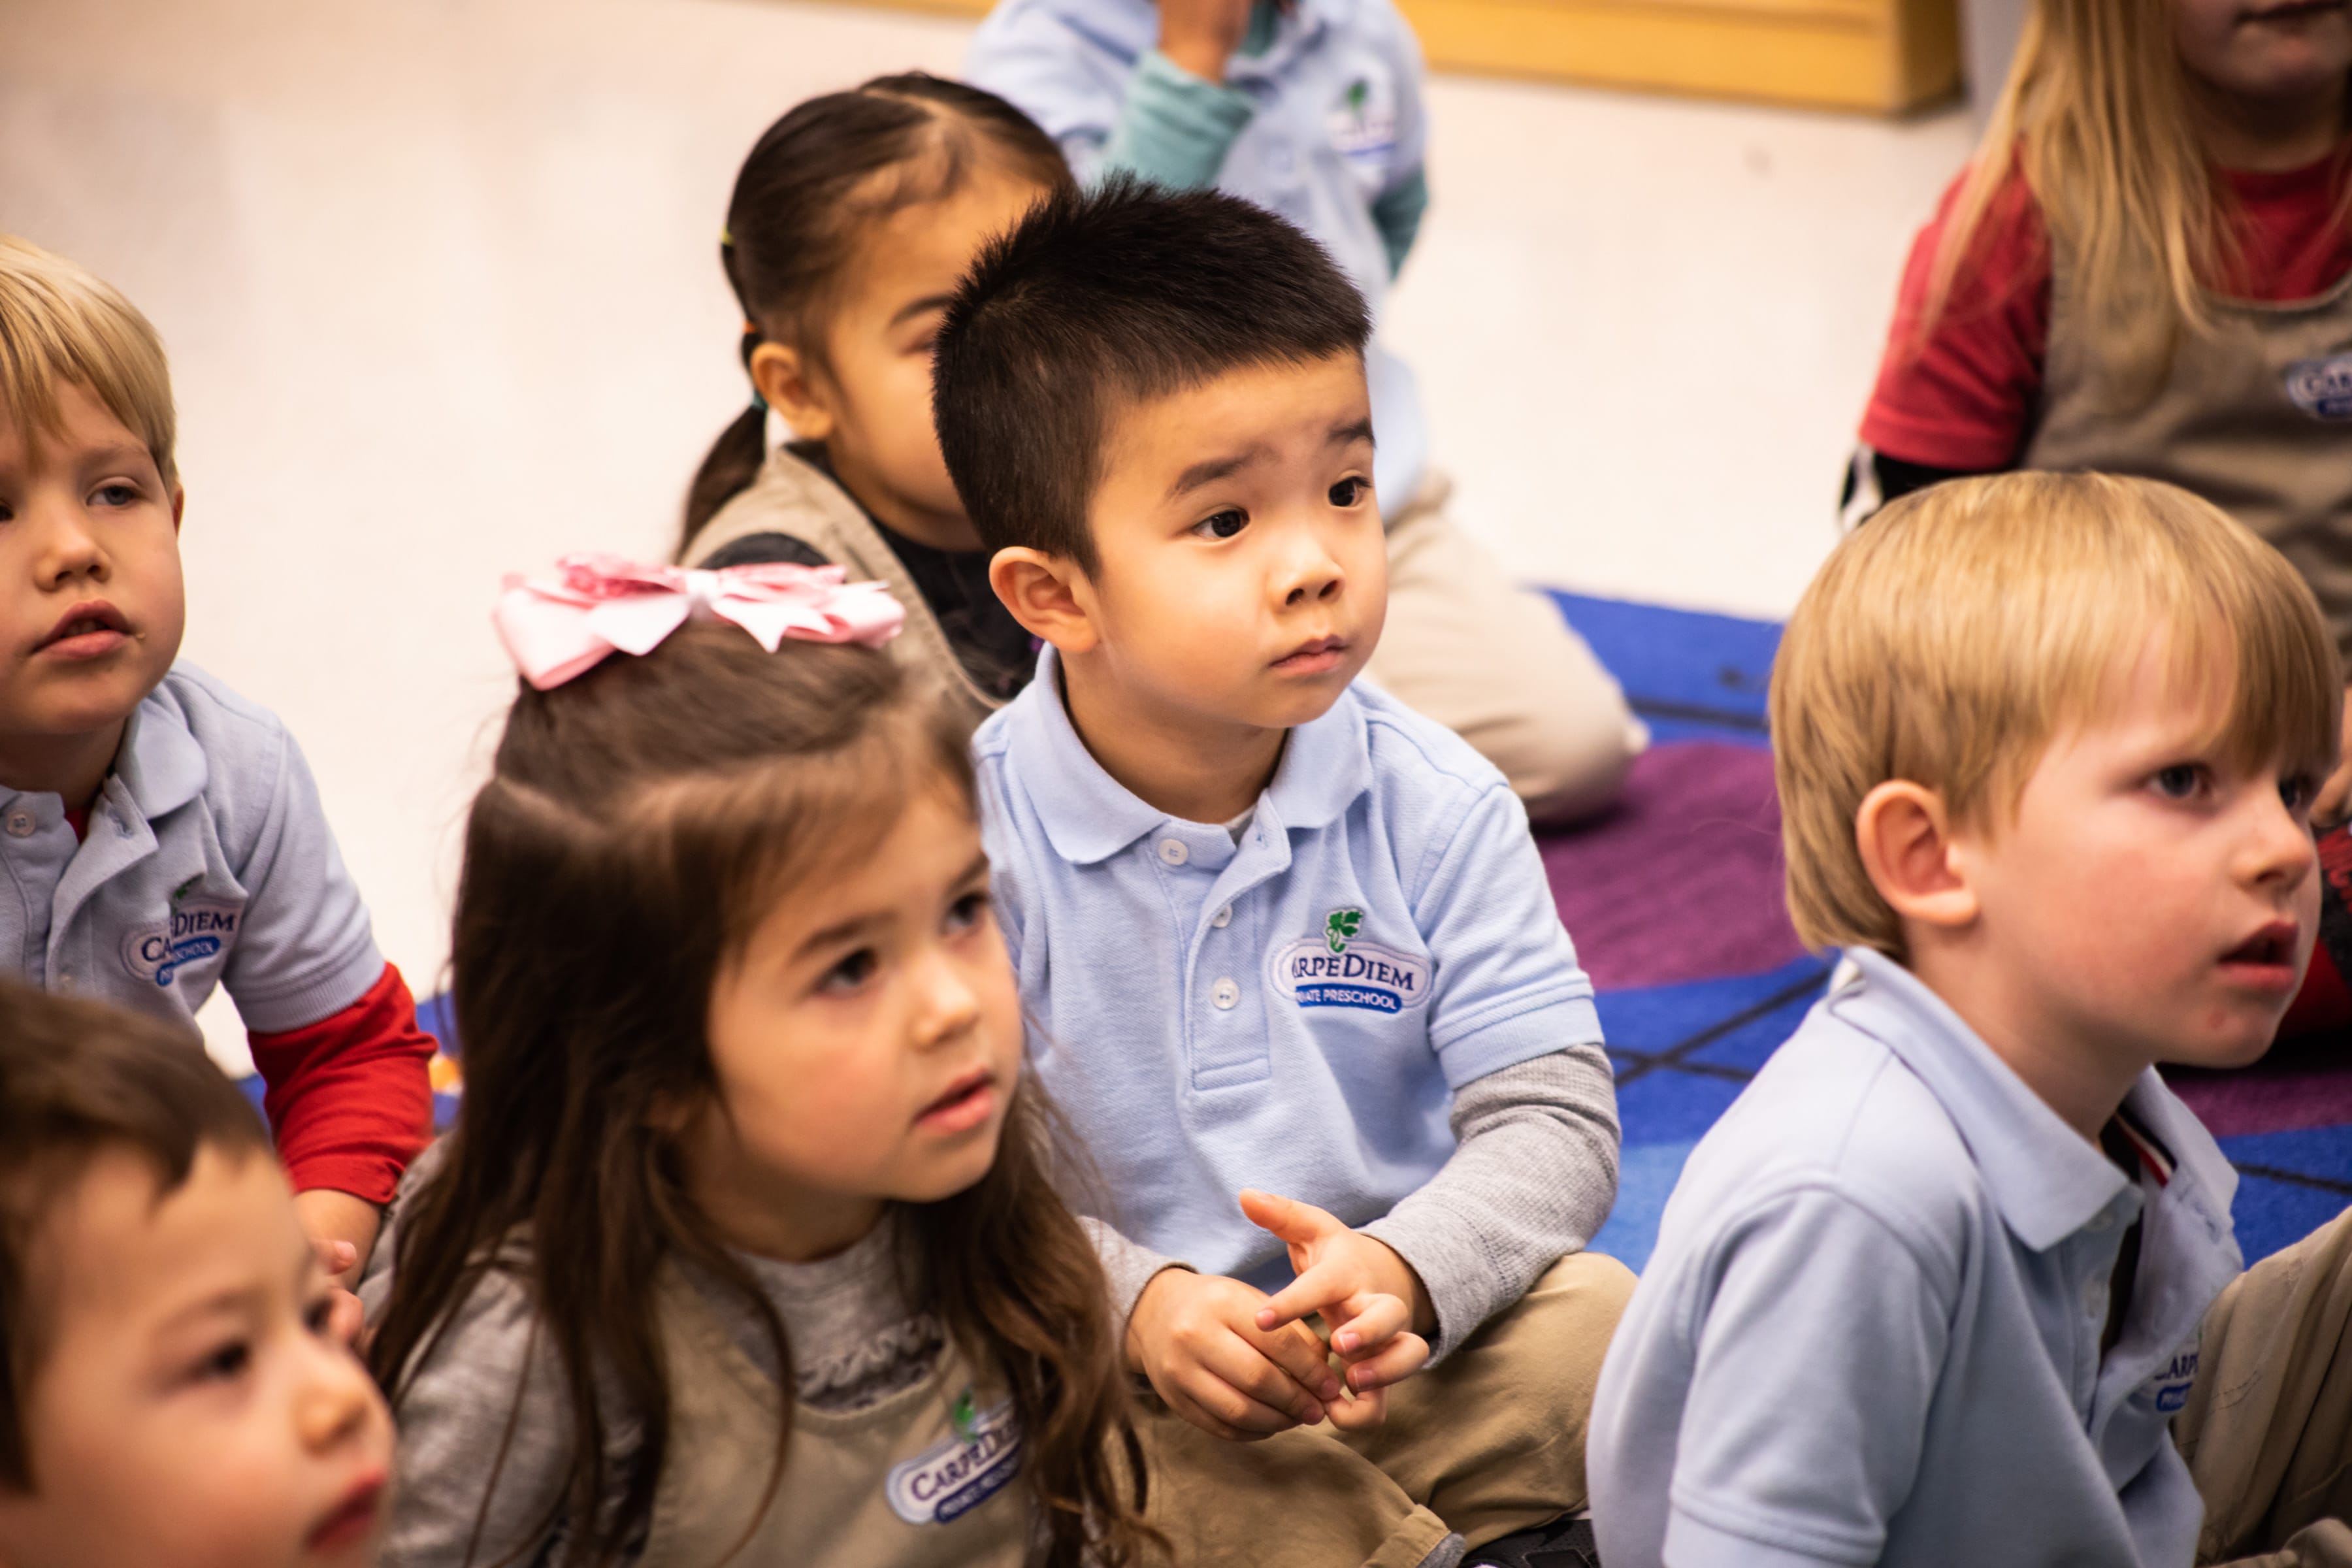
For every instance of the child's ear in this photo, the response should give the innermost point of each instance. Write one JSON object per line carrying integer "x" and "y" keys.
{"x": 1048, "y": 594}
{"x": 1905, "y": 835}
{"x": 179, "y": 510}
{"x": 793, "y": 389}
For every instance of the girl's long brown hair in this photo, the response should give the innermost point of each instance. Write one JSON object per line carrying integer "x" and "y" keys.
{"x": 2099, "y": 118}
{"x": 638, "y": 822}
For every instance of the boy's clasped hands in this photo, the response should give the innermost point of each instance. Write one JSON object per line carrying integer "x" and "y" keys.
{"x": 1243, "y": 1365}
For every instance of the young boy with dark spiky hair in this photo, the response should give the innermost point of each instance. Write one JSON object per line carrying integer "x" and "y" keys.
{"x": 1280, "y": 934}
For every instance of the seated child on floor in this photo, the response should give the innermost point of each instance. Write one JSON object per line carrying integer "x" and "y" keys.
{"x": 178, "y": 1386}
{"x": 745, "y": 1108}
{"x": 1316, "y": 111}
{"x": 1930, "y": 1291}
{"x": 2146, "y": 269}
{"x": 1277, "y": 931}
{"x": 163, "y": 833}
{"x": 851, "y": 222}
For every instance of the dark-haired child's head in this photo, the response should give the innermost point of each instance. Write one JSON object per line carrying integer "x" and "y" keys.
{"x": 728, "y": 980}
{"x": 852, "y": 220}
{"x": 172, "y": 1389}
{"x": 1154, "y": 408}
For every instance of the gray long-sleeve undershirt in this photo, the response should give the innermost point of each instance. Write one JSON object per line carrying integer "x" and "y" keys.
{"x": 1532, "y": 1176}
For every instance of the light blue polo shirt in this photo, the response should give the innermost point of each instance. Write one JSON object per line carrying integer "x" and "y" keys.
{"x": 1292, "y": 1012}
{"x": 1870, "y": 1332}
{"x": 207, "y": 862}
{"x": 1337, "y": 120}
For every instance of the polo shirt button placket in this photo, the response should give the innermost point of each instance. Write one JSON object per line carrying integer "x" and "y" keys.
{"x": 21, "y": 825}
{"x": 2094, "y": 1299}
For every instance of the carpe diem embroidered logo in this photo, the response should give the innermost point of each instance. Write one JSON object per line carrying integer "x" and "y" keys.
{"x": 192, "y": 932}
{"x": 1336, "y": 969}
{"x": 1363, "y": 123}
{"x": 2321, "y": 387}
{"x": 2172, "y": 1385}
{"x": 956, "y": 1475}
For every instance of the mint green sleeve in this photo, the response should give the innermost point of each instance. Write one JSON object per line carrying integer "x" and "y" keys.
{"x": 1175, "y": 128}
{"x": 1396, "y": 212}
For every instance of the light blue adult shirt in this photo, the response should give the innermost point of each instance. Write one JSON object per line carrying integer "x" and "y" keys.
{"x": 1324, "y": 122}
{"x": 1292, "y": 1012}
{"x": 1870, "y": 1332}
{"x": 207, "y": 860}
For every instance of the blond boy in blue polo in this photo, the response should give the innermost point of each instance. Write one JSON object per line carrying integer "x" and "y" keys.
{"x": 1931, "y": 1291}
{"x": 1279, "y": 934}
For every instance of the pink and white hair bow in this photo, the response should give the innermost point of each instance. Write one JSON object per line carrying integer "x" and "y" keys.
{"x": 555, "y": 625}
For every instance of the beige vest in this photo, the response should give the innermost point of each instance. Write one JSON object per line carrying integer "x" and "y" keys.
{"x": 897, "y": 1485}
{"x": 792, "y": 495}
{"x": 2256, "y": 419}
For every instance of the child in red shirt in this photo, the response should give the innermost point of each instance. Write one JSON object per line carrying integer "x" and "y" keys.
{"x": 2147, "y": 270}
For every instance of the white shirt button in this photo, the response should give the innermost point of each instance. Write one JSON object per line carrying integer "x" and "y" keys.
{"x": 2094, "y": 1299}
{"x": 1222, "y": 918}
{"x": 1173, "y": 850}
{"x": 1225, "y": 994}
{"x": 20, "y": 825}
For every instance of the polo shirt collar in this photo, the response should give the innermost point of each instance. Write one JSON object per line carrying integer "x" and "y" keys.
{"x": 161, "y": 762}
{"x": 2047, "y": 1181}
{"x": 1090, "y": 817}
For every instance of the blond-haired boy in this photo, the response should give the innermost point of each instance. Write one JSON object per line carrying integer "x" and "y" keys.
{"x": 1931, "y": 1290}
{"x": 160, "y": 835}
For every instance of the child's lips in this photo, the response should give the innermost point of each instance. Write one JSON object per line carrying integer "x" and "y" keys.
{"x": 90, "y": 630}
{"x": 353, "y": 1519}
{"x": 2266, "y": 960}
{"x": 1313, "y": 657}
{"x": 967, "y": 1102}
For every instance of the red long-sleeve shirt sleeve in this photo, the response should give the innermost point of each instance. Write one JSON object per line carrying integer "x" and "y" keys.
{"x": 1964, "y": 394}
{"x": 349, "y": 1097}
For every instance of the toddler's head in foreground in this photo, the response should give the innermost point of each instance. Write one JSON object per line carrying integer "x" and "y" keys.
{"x": 174, "y": 1391}
{"x": 2050, "y": 740}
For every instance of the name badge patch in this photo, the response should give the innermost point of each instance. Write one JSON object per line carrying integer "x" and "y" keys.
{"x": 2172, "y": 1385}
{"x": 2321, "y": 387}
{"x": 948, "y": 1480}
{"x": 1340, "y": 969}
{"x": 196, "y": 932}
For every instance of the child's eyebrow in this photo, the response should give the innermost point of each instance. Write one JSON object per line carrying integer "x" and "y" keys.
{"x": 841, "y": 930}
{"x": 1208, "y": 470}
{"x": 914, "y": 308}
{"x": 1348, "y": 434}
{"x": 220, "y": 1303}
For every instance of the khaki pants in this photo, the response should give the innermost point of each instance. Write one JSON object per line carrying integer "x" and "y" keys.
{"x": 1495, "y": 664}
{"x": 1489, "y": 1441}
{"x": 2268, "y": 1428}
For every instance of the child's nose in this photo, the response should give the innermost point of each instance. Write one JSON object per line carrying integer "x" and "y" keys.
{"x": 337, "y": 1402}
{"x": 1311, "y": 575}
{"x": 2280, "y": 847}
{"x": 68, "y": 546}
{"x": 950, "y": 1004}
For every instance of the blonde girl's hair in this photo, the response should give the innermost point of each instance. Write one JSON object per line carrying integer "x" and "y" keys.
{"x": 2098, "y": 116}
{"x": 1952, "y": 639}
{"x": 638, "y": 823}
{"x": 57, "y": 323}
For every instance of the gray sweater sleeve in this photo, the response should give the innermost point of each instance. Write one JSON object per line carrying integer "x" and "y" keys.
{"x": 1129, "y": 1265}
{"x": 487, "y": 1382}
{"x": 1532, "y": 1176}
